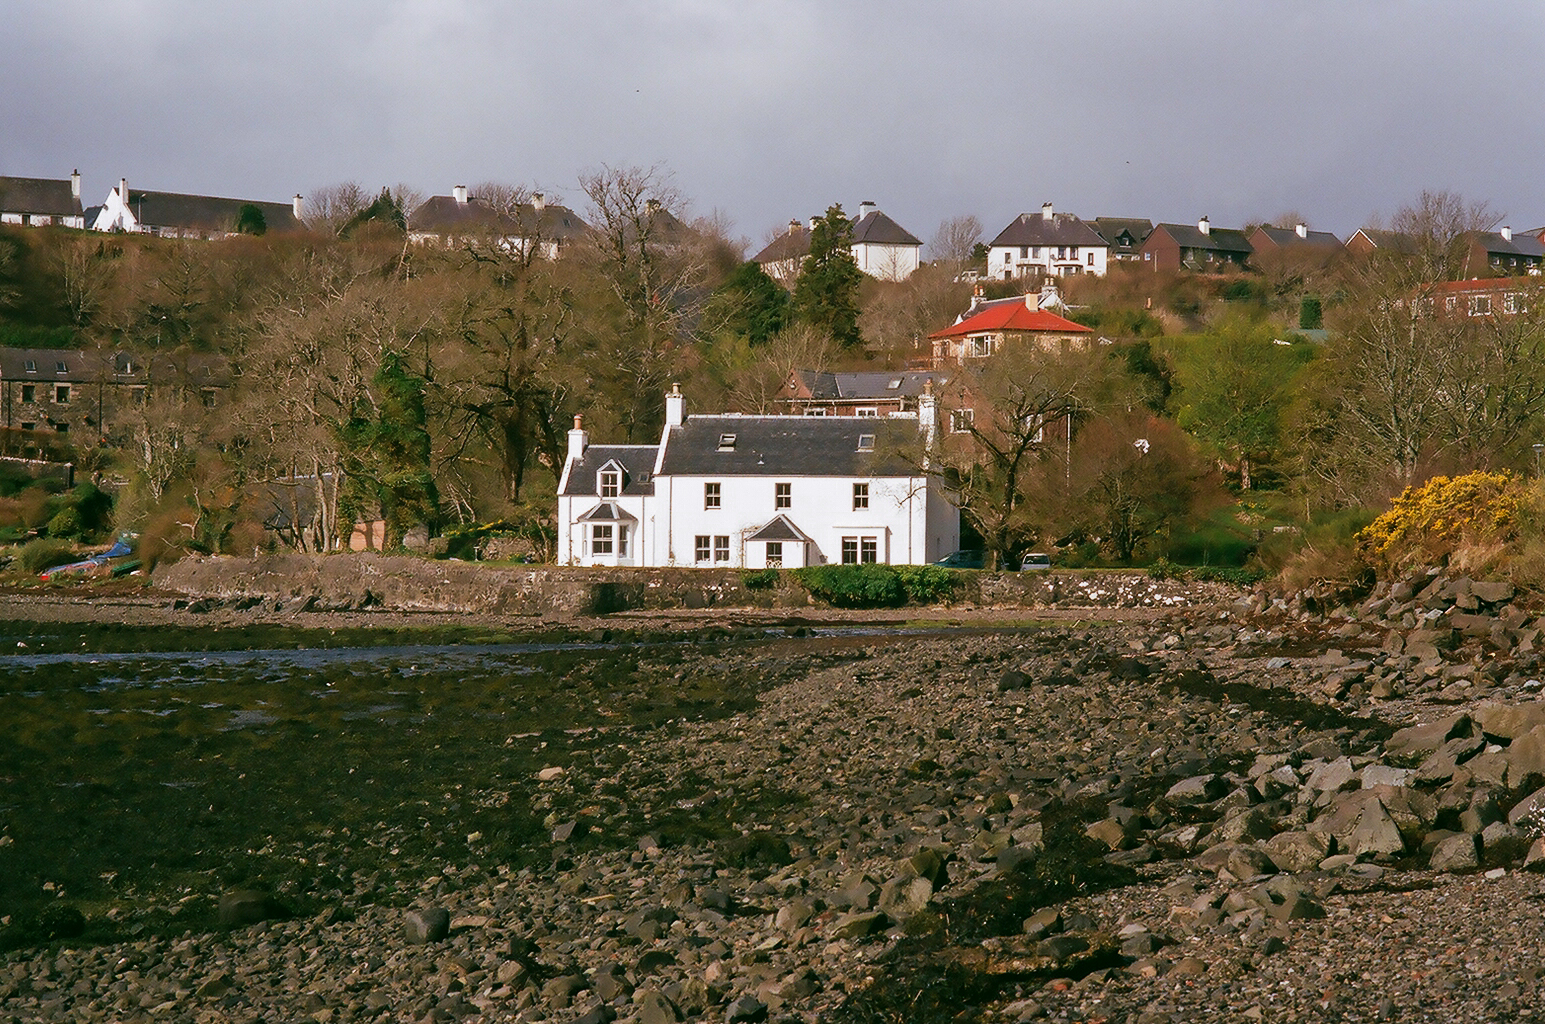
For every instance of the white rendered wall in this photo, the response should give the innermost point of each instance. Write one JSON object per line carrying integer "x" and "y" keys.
{"x": 887, "y": 262}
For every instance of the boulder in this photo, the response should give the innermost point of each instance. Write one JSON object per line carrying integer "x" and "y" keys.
{"x": 652, "y": 1007}
{"x": 1418, "y": 740}
{"x": 1376, "y": 833}
{"x": 1456, "y": 853}
{"x": 1526, "y": 757}
{"x": 1199, "y": 789}
{"x": 748, "y": 1009}
{"x": 249, "y": 906}
{"x": 1333, "y": 776}
{"x": 424, "y": 926}
{"x": 1298, "y": 850}
{"x": 1503, "y": 844}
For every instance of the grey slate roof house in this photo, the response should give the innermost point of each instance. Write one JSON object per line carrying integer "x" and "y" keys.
{"x": 1125, "y": 235}
{"x": 1048, "y": 244}
{"x": 881, "y": 248}
{"x": 1198, "y": 246}
{"x": 460, "y": 216}
{"x": 860, "y": 393}
{"x": 735, "y": 491}
{"x": 183, "y": 215}
{"x": 35, "y": 202}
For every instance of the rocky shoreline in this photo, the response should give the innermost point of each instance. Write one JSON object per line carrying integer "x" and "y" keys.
{"x": 1258, "y": 809}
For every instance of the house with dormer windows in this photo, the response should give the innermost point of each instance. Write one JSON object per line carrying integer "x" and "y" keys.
{"x": 736, "y": 491}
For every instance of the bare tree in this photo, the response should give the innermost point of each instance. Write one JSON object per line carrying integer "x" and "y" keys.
{"x": 328, "y": 208}
{"x": 953, "y": 242}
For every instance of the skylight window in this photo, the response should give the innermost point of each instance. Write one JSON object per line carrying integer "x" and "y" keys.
{"x": 866, "y": 442}
{"x": 894, "y": 384}
{"x": 726, "y": 442}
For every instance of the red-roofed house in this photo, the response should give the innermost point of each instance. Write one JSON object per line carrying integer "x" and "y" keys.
{"x": 986, "y": 326}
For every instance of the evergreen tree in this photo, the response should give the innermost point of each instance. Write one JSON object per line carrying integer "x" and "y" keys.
{"x": 383, "y": 210}
{"x": 751, "y": 304}
{"x": 250, "y": 220}
{"x": 826, "y": 294}
{"x": 389, "y": 454}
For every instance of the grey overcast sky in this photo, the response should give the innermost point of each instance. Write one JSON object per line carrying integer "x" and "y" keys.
{"x": 771, "y": 109}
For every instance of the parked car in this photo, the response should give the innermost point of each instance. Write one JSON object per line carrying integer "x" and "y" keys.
{"x": 963, "y": 560}
{"x": 1034, "y": 561}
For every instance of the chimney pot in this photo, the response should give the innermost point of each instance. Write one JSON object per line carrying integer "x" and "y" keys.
{"x": 675, "y": 407}
{"x": 75, "y": 183}
{"x": 538, "y": 202}
{"x": 300, "y": 206}
{"x": 865, "y": 208}
{"x": 1046, "y": 211}
{"x": 1204, "y": 225}
{"x": 1302, "y": 229}
{"x": 1507, "y": 234}
{"x": 460, "y": 192}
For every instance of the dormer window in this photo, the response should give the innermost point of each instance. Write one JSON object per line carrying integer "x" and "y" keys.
{"x": 611, "y": 483}
{"x": 30, "y": 366}
{"x": 866, "y": 442}
{"x": 59, "y": 367}
{"x": 726, "y": 442}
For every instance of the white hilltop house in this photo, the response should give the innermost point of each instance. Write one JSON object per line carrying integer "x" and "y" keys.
{"x": 739, "y": 491}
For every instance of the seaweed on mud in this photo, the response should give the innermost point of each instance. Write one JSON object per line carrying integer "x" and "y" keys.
{"x": 919, "y": 982}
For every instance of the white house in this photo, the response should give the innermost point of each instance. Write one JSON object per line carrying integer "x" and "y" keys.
{"x": 881, "y": 248}
{"x": 462, "y": 218}
{"x": 1047, "y": 243}
{"x": 36, "y": 202}
{"x": 754, "y": 492}
{"x": 180, "y": 215}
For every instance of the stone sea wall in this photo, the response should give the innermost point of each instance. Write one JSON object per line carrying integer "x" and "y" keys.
{"x": 405, "y": 583}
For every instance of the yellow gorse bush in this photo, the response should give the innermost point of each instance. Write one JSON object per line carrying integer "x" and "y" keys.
{"x": 1442, "y": 514}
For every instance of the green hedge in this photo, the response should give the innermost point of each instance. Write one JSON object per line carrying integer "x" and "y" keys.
{"x": 877, "y": 586}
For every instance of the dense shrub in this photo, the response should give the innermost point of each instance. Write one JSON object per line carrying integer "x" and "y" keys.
{"x": 1429, "y": 523}
{"x": 44, "y": 553}
{"x": 854, "y": 586}
{"x": 759, "y": 579}
{"x": 877, "y": 586}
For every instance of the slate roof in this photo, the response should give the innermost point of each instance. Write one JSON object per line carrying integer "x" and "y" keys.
{"x": 444, "y": 215}
{"x": 637, "y": 461}
{"x": 781, "y": 527}
{"x": 793, "y": 244}
{"x": 1394, "y": 241}
{"x": 40, "y": 196}
{"x": 1189, "y": 236}
{"x": 1036, "y": 229}
{"x": 1012, "y": 315}
{"x": 875, "y": 228}
{"x": 827, "y": 386}
{"x": 205, "y": 213}
{"x": 1110, "y": 228}
{"x": 1518, "y": 245}
{"x": 1286, "y": 237}
{"x": 786, "y": 446}
{"x": 78, "y": 365}
{"x": 608, "y": 512}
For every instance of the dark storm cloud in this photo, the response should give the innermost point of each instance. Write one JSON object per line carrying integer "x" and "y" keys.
{"x": 1240, "y": 110}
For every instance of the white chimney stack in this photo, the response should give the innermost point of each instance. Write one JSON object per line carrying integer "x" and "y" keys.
{"x": 794, "y": 226}
{"x": 538, "y": 202}
{"x": 865, "y": 208}
{"x": 578, "y": 439}
{"x": 813, "y": 222}
{"x": 1302, "y": 229}
{"x": 1204, "y": 225}
{"x": 928, "y": 414}
{"x": 75, "y": 183}
{"x": 1507, "y": 234}
{"x": 300, "y": 206}
{"x": 675, "y": 407}
{"x": 460, "y": 192}
{"x": 123, "y": 191}
{"x": 1046, "y": 211}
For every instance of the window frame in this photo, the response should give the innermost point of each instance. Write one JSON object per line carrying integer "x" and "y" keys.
{"x": 713, "y": 495}
{"x": 602, "y": 540}
{"x": 611, "y": 483}
{"x": 783, "y": 495}
{"x": 721, "y": 548}
{"x": 860, "y": 496}
{"x": 702, "y": 547}
{"x": 61, "y": 394}
{"x": 775, "y": 554}
{"x": 849, "y": 551}
{"x": 868, "y": 550}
